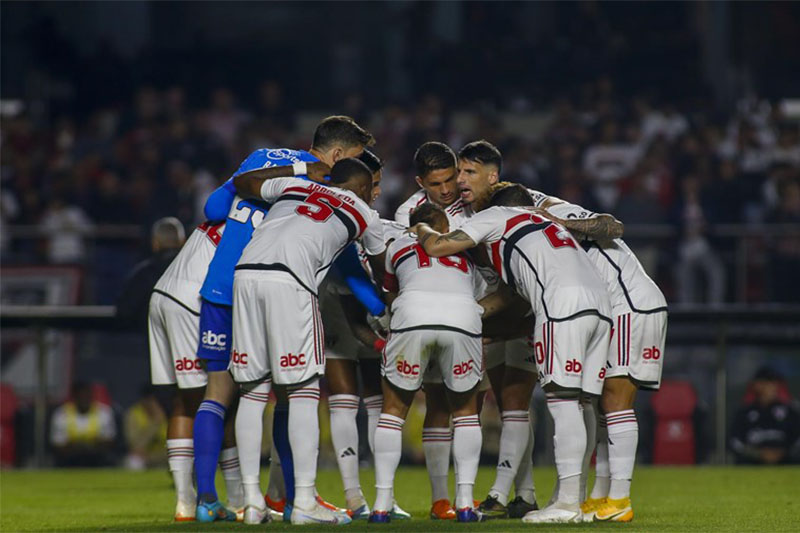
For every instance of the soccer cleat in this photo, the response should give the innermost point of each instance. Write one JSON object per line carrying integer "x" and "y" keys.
{"x": 213, "y": 511}
{"x": 275, "y": 505}
{"x": 379, "y": 517}
{"x": 517, "y": 508}
{"x": 614, "y": 511}
{"x": 318, "y": 515}
{"x": 468, "y": 514}
{"x": 398, "y": 513}
{"x": 239, "y": 513}
{"x": 558, "y": 513}
{"x": 442, "y": 510}
{"x": 331, "y": 507}
{"x": 590, "y": 506}
{"x": 184, "y": 512}
{"x": 286, "y": 515}
{"x": 254, "y": 515}
{"x": 491, "y": 508}
{"x": 360, "y": 513}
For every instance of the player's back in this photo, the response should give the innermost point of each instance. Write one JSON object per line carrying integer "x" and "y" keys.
{"x": 432, "y": 291}
{"x": 185, "y": 275}
{"x": 457, "y": 212}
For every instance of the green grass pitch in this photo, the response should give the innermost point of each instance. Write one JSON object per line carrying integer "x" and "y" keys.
{"x": 665, "y": 499}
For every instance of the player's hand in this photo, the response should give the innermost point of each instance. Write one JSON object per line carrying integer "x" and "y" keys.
{"x": 415, "y": 229}
{"x": 318, "y": 171}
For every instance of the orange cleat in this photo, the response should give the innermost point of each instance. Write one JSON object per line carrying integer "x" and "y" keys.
{"x": 442, "y": 510}
{"x": 333, "y": 508}
{"x": 275, "y": 505}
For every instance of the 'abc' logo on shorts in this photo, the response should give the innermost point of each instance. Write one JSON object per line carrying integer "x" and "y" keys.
{"x": 214, "y": 339}
{"x": 186, "y": 364}
{"x": 461, "y": 369}
{"x": 291, "y": 360}
{"x": 574, "y": 366}
{"x": 406, "y": 369}
{"x": 239, "y": 358}
{"x": 652, "y": 353}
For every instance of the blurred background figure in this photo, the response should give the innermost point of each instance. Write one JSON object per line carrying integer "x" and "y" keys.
{"x": 766, "y": 430}
{"x": 82, "y": 430}
{"x": 146, "y": 432}
{"x": 65, "y": 224}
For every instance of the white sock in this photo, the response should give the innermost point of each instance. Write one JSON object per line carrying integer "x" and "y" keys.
{"x": 344, "y": 434}
{"x": 467, "y": 442}
{"x": 180, "y": 456}
{"x": 249, "y": 432}
{"x": 513, "y": 442}
{"x": 436, "y": 444}
{"x": 373, "y": 405}
{"x": 388, "y": 449}
{"x": 602, "y": 478}
{"x": 590, "y": 421}
{"x": 304, "y": 440}
{"x": 623, "y": 437}
{"x": 569, "y": 443}
{"x": 229, "y": 464}
{"x": 276, "y": 489}
{"x": 523, "y": 481}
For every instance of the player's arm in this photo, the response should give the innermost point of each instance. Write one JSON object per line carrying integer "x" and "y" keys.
{"x": 499, "y": 300}
{"x": 436, "y": 244}
{"x": 356, "y": 319}
{"x": 248, "y": 184}
{"x": 376, "y": 263}
{"x": 598, "y": 226}
{"x": 358, "y": 281}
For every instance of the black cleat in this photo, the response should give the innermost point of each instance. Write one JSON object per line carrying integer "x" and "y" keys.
{"x": 517, "y": 508}
{"x": 492, "y": 509}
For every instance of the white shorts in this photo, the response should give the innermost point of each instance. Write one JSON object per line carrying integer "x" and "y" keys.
{"x": 173, "y": 331}
{"x": 340, "y": 343}
{"x": 277, "y": 330}
{"x": 637, "y": 348}
{"x": 515, "y": 353}
{"x": 439, "y": 355}
{"x": 573, "y": 353}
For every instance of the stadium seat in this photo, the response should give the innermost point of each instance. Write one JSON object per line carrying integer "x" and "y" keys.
{"x": 8, "y": 414}
{"x": 674, "y": 440}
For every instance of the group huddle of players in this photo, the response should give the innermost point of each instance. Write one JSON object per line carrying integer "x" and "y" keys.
{"x": 476, "y": 284}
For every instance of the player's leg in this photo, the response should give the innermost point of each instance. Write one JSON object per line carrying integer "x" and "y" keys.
{"x": 371, "y": 392}
{"x": 589, "y": 411}
{"x": 275, "y": 498}
{"x": 229, "y": 461}
{"x": 249, "y": 427}
{"x": 436, "y": 445}
{"x": 180, "y": 450}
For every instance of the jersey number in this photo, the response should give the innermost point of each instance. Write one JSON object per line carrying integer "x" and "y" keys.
{"x": 324, "y": 204}
{"x": 453, "y": 261}
{"x": 551, "y": 232}
{"x": 242, "y": 214}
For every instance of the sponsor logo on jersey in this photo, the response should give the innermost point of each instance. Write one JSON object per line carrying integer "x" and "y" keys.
{"x": 405, "y": 368}
{"x": 239, "y": 358}
{"x": 291, "y": 360}
{"x": 574, "y": 366}
{"x": 214, "y": 341}
{"x": 652, "y": 353}
{"x": 187, "y": 365}
{"x": 602, "y": 374}
{"x": 462, "y": 369}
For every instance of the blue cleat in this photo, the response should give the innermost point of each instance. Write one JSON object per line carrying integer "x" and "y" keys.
{"x": 213, "y": 511}
{"x": 398, "y": 513}
{"x": 379, "y": 517}
{"x": 468, "y": 514}
{"x": 287, "y": 512}
{"x": 361, "y": 513}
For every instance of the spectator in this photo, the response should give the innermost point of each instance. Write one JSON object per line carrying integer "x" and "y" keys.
{"x": 66, "y": 224}
{"x": 784, "y": 256}
{"x": 766, "y": 430}
{"x": 82, "y": 431}
{"x": 146, "y": 432}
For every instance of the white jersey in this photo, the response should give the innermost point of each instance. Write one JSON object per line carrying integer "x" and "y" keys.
{"x": 187, "y": 272}
{"x": 456, "y": 212}
{"x": 541, "y": 261}
{"x": 433, "y": 292}
{"x": 629, "y": 286}
{"x": 307, "y": 228}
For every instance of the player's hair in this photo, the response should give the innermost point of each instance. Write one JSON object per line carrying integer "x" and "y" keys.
{"x": 511, "y": 195}
{"x": 168, "y": 232}
{"x": 428, "y": 212}
{"x": 369, "y": 158}
{"x": 340, "y": 130}
{"x": 482, "y": 152}
{"x": 433, "y": 156}
{"x": 349, "y": 168}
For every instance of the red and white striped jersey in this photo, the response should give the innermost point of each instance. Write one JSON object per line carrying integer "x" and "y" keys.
{"x": 541, "y": 261}
{"x": 432, "y": 291}
{"x": 307, "y": 228}
{"x": 183, "y": 278}
{"x": 629, "y": 286}
{"x": 456, "y": 212}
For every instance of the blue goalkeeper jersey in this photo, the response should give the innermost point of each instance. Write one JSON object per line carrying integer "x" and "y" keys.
{"x": 242, "y": 218}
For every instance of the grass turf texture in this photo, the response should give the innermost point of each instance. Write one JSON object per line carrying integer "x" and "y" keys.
{"x": 666, "y": 499}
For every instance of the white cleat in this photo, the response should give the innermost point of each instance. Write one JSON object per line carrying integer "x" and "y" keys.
{"x": 558, "y": 513}
{"x": 256, "y": 515}
{"x": 184, "y": 511}
{"x": 319, "y": 515}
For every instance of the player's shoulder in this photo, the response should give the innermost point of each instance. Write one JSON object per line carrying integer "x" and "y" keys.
{"x": 392, "y": 229}
{"x": 416, "y": 199}
{"x": 274, "y": 157}
{"x": 402, "y": 241}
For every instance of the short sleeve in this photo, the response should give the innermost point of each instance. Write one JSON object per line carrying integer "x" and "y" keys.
{"x": 372, "y": 238}
{"x": 402, "y": 215}
{"x": 567, "y": 210}
{"x": 271, "y": 189}
{"x": 483, "y": 227}
{"x": 479, "y": 285}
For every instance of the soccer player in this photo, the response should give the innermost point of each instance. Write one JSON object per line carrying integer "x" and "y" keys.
{"x": 174, "y": 325}
{"x": 435, "y": 332}
{"x": 541, "y": 261}
{"x": 277, "y": 331}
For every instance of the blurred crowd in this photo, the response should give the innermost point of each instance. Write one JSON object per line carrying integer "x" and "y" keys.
{"x": 647, "y": 160}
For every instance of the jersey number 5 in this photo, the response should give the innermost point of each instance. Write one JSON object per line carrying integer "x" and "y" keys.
{"x": 324, "y": 204}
